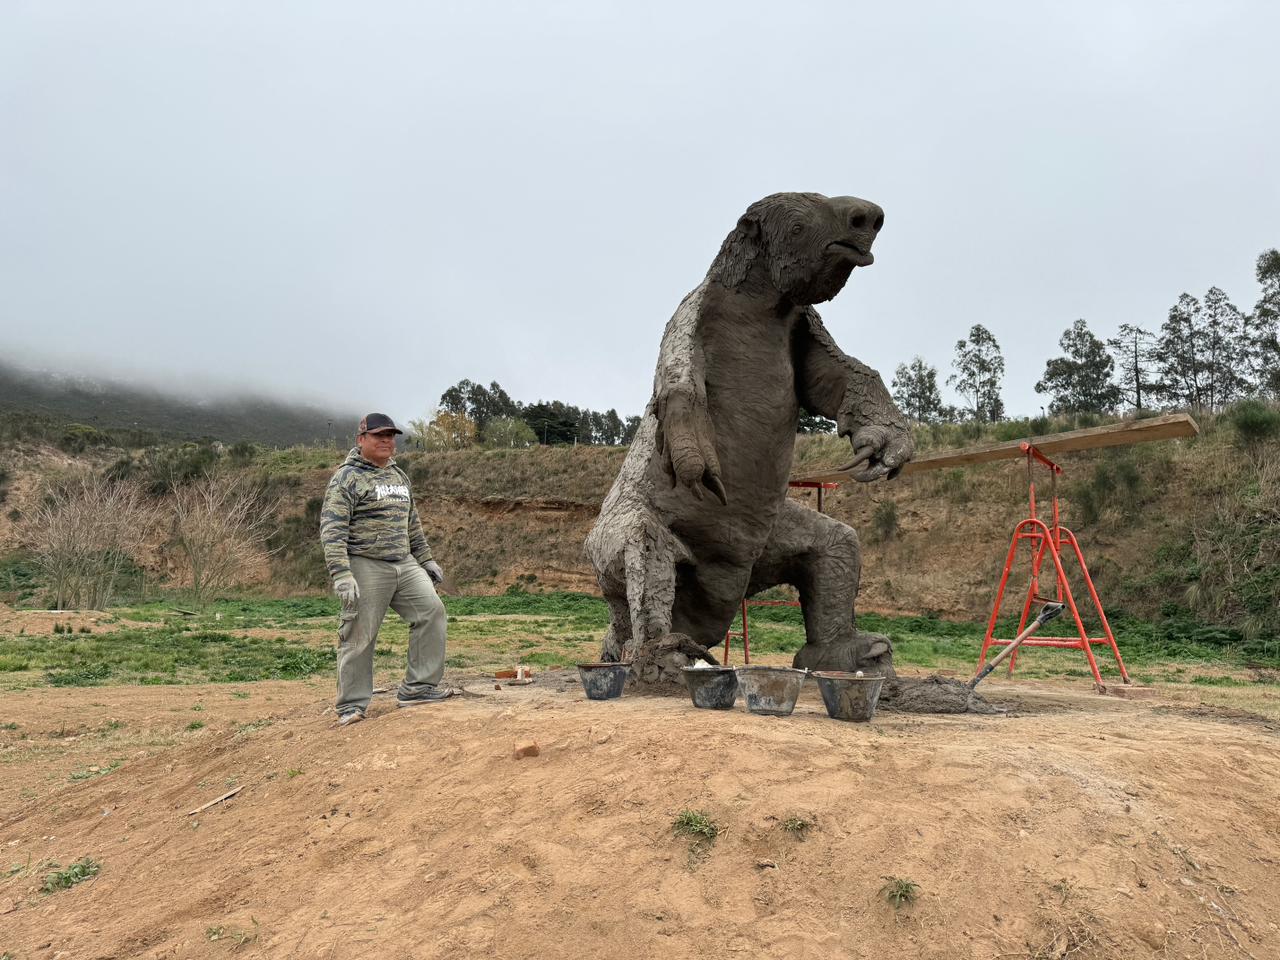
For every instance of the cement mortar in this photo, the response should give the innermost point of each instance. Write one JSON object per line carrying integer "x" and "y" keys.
{"x": 932, "y": 694}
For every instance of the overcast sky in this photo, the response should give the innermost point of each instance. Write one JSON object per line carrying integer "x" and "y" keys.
{"x": 363, "y": 202}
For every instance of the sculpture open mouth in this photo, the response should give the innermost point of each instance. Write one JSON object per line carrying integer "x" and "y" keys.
{"x": 860, "y": 257}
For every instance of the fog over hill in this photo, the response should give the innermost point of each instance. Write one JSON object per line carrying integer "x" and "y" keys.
{"x": 224, "y": 415}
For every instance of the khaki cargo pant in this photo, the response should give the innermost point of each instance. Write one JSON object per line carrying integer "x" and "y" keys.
{"x": 405, "y": 588}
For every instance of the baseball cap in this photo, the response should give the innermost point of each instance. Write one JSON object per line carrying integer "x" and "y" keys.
{"x": 377, "y": 421}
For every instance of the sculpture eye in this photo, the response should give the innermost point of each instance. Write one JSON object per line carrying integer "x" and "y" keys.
{"x": 797, "y": 229}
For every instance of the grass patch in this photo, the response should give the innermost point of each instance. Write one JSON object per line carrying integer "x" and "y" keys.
{"x": 167, "y": 654}
{"x": 1220, "y": 681}
{"x": 577, "y": 610}
{"x": 549, "y": 658}
{"x": 900, "y": 892}
{"x": 698, "y": 826}
{"x": 80, "y": 871}
{"x": 236, "y": 936}
{"x": 95, "y": 771}
{"x": 550, "y": 630}
{"x": 798, "y": 826}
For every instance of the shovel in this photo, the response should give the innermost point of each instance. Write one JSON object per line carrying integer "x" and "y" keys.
{"x": 1047, "y": 613}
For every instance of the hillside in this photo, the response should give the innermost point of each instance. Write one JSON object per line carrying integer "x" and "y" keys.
{"x": 1167, "y": 528}
{"x": 108, "y": 405}
{"x": 1175, "y": 529}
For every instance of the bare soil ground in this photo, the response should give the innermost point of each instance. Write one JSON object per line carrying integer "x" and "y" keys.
{"x": 1077, "y": 826}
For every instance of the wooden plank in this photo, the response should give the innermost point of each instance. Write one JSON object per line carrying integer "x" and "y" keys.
{"x": 1168, "y": 427}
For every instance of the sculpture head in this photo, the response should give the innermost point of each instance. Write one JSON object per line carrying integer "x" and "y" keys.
{"x": 806, "y": 244}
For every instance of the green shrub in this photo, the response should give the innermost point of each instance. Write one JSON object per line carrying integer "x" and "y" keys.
{"x": 19, "y": 577}
{"x": 243, "y": 453}
{"x": 80, "y": 675}
{"x": 295, "y": 545}
{"x": 953, "y": 484}
{"x": 1255, "y": 422}
{"x": 164, "y": 469}
{"x": 884, "y": 521}
{"x": 1117, "y": 481}
{"x": 78, "y": 437}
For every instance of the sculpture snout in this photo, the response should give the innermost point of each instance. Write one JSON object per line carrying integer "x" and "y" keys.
{"x": 858, "y": 222}
{"x": 860, "y": 219}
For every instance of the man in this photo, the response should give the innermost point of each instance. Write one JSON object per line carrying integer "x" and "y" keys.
{"x": 378, "y": 557}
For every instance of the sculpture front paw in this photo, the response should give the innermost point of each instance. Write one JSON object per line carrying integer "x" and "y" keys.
{"x": 882, "y": 450}
{"x": 686, "y": 441}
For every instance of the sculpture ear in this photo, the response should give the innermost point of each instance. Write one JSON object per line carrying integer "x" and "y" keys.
{"x": 740, "y": 248}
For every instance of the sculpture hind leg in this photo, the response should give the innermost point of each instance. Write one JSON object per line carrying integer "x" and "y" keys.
{"x": 709, "y": 597}
{"x": 635, "y": 558}
{"x": 617, "y": 641}
{"x": 822, "y": 558}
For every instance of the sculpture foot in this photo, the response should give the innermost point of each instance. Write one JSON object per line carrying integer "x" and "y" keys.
{"x": 660, "y": 662}
{"x": 871, "y": 653}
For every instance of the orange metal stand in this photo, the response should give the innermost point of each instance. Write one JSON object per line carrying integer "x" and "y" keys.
{"x": 746, "y": 631}
{"x": 1046, "y": 540}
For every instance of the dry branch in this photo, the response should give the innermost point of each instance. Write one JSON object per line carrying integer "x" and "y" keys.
{"x": 226, "y": 796}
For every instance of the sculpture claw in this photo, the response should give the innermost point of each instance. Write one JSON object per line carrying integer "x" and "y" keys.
{"x": 883, "y": 450}
{"x": 860, "y": 456}
{"x": 713, "y": 484}
{"x": 686, "y": 442}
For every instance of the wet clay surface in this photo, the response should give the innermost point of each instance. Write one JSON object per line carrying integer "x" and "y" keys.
{"x": 933, "y": 694}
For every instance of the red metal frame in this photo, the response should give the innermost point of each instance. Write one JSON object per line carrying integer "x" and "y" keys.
{"x": 1047, "y": 539}
{"x": 746, "y": 631}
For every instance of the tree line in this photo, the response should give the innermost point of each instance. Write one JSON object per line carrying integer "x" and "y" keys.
{"x": 1208, "y": 353}
{"x": 471, "y": 414}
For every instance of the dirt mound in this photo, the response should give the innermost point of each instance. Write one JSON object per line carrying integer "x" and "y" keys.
{"x": 1080, "y": 833}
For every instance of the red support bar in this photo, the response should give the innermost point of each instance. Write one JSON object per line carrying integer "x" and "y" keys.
{"x": 1046, "y": 540}
{"x": 745, "y": 634}
{"x": 1035, "y": 454}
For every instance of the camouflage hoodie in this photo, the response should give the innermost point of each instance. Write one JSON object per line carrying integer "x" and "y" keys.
{"x": 368, "y": 512}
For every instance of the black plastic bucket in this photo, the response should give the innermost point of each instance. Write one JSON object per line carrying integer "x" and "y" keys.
{"x": 712, "y": 688}
{"x": 771, "y": 691}
{"x": 849, "y": 696}
{"x": 603, "y": 681}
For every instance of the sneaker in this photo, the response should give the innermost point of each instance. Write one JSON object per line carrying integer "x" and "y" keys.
{"x": 350, "y": 717}
{"x": 434, "y": 695}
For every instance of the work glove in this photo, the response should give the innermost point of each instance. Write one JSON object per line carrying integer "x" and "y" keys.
{"x": 434, "y": 571}
{"x": 347, "y": 590}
